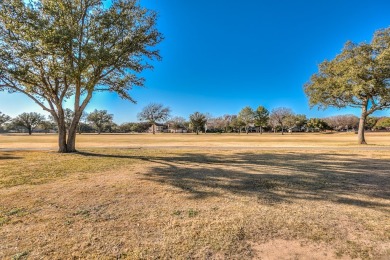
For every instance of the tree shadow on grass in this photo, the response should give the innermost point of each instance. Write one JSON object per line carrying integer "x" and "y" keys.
{"x": 8, "y": 156}
{"x": 274, "y": 177}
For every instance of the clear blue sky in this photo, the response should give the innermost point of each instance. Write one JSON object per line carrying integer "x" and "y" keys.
{"x": 222, "y": 55}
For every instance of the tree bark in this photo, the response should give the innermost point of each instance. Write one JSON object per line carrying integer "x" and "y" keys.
{"x": 62, "y": 147}
{"x": 154, "y": 129}
{"x": 71, "y": 142}
{"x": 362, "y": 124}
{"x": 29, "y": 130}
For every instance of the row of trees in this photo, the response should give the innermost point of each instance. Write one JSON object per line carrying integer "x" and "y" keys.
{"x": 247, "y": 120}
{"x": 55, "y": 51}
{"x": 279, "y": 119}
{"x": 98, "y": 120}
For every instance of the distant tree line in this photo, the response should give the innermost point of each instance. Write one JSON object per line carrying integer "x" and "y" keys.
{"x": 157, "y": 118}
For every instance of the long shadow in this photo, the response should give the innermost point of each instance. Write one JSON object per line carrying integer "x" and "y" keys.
{"x": 274, "y": 177}
{"x": 9, "y": 156}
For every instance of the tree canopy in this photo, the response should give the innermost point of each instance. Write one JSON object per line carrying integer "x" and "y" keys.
{"x": 154, "y": 113}
{"x": 357, "y": 77}
{"x": 100, "y": 119}
{"x": 261, "y": 117}
{"x": 52, "y": 50}
{"x": 4, "y": 118}
{"x": 29, "y": 120}
{"x": 198, "y": 120}
{"x": 247, "y": 117}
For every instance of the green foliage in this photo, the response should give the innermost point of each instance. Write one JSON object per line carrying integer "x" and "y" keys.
{"x": 134, "y": 127}
{"x": 316, "y": 123}
{"x": 197, "y": 121}
{"x": 4, "y": 118}
{"x": 261, "y": 116}
{"x": 56, "y": 49}
{"x": 29, "y": 120}
{"x": 247, "y": 117}
{"x": 358, "y": 76}
{"x": 100, "y": 119}
{"x": 383, "y": 123}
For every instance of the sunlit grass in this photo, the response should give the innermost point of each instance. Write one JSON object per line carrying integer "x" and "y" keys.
{"x": 157, "y": 203}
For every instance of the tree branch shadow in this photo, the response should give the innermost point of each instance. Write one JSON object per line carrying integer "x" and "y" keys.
{"x": 271, "y": 178}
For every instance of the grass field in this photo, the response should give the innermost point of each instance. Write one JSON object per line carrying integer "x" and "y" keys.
{"x": 215, "y": 202}
{"x": 49, "y": 141}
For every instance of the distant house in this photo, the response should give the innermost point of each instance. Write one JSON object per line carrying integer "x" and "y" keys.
{"x": 160, "y": 128}
{"x": 178, "y": 130}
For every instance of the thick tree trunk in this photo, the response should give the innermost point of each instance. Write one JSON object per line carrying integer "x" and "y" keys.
{"x": 261, "y": 130}
{"x": 362, "y": 124}
{"x": 71, "y": 142}
{"x": 282, "y": 130}
{"x": 62, "y": 137}
{"x": 154, "y": 129}
{"x": 29, "y": 130}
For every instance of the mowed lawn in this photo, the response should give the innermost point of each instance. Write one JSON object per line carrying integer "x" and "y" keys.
{"x": 196, "y": 203}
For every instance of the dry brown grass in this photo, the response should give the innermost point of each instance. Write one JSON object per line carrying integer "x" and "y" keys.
{"x": 207, "y": 204}
{"x": 202, "y": 140}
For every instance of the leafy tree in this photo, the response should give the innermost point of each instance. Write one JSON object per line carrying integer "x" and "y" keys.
{"x": 54, "y": 50}
{"x": 383, "y": 123}
{"x": 4, "y": 118}
{"x": 134, "y": 127}
{"x": 299, "y": 121}
{"x": 316, "y": 123}
{"x": 246, "y": 116}
{"x": 198, "y": 120}
{"x": 236, "y": 124}
{"x": 371, "y": 122}
{"x": 358, "y": 77}
{"x": 154, "y": 113}
{"x": 100, "y": 119}
{"x": 261, "y": 117}
{"x": 47, "y": 125}
{"x": 280, "y": 117}
{"x": 29, "y": 120}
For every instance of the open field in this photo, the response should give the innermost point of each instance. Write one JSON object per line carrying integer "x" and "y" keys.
{"x": 49, "y": 141}
{"x": 196, "y": 203}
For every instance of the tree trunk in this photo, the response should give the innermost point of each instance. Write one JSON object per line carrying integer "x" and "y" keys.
{"x": 29, "y": 130}
{"x": 362, "y": 124}
{"x": 261, "y": 130}
{"x": 71, "y": 143}
{"x": 154, "y": 129}
{"x": 62, "y": 137}
{"x": 282, "y": 130}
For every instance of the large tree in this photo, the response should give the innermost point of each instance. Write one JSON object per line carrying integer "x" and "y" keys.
{"x": 100, "y": 119}
{"x": 4, "y": 118}
{"x": 247, "y": 116}
{"x": 154, "y": 113}
{"x": 53, "y": 50}
{"x": 29, "y": 120}
{"x": 280, "y": 117}
{"x": 198, "y": 121}
{"x": 358, "y": 77}
{"x": 261, "y": 118}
